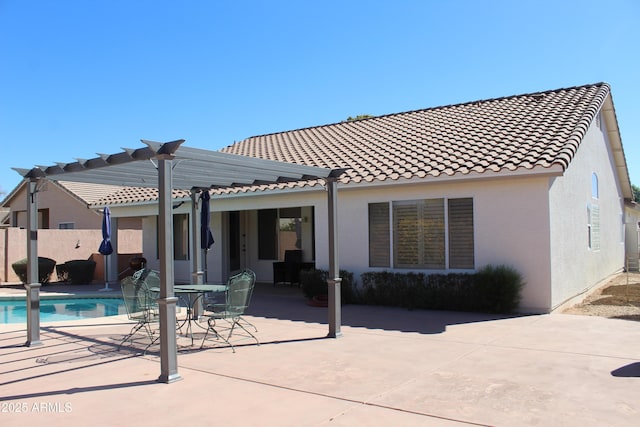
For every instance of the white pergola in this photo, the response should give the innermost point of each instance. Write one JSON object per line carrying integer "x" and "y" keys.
{"x": 168, "y": 166}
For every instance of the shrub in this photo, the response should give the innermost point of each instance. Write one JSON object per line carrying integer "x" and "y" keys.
{"x": 498, "y": 288}
{"x": 492, "y": 289}
{"x": 45, "y": 268}
{"x": 314, "y": 283}
{"x": 80, "y": 271}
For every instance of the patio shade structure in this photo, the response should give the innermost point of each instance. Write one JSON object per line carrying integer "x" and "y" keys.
{"x": 168, "y": 166}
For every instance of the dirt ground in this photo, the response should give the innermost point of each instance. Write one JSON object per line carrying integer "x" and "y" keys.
{"x": 619, "y": 298}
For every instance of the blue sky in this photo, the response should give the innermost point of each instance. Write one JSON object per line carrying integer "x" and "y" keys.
{"x": 81, "y": 77}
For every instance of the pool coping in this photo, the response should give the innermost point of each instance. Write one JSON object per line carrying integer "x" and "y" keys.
{"x": 57, "y": 295}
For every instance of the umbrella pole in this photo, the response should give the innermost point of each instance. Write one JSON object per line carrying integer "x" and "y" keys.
{"x": 206, "y": 270}
{"x": 106, "y": 274}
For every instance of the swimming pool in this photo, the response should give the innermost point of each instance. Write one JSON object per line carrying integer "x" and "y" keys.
{"x": 62, "y": 308}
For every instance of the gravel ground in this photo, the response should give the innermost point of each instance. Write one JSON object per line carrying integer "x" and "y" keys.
{"x": 619, "y": 298}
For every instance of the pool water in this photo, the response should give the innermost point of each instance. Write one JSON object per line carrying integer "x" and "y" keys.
{"x": 55, "y": 309}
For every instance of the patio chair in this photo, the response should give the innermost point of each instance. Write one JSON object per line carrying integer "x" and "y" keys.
{"x": 236, "y": 301}
{"x": 150, "y": 280}
{"x": 142, "y": 308}
{"x": 288, "y": 271}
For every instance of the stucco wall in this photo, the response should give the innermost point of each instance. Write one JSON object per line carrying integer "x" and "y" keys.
{"x": 62, "y": 246}
{"x": 510, "y": 217}
{"x": 509, "y": 224}
{"x": 575, "y": 266}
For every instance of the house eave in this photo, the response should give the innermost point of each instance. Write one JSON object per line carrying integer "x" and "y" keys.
{"x": 615, "y": 140}
{"x": 553, "y": 171}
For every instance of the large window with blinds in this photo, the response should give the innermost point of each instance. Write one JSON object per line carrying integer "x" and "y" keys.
{"x": 435, "y": 234}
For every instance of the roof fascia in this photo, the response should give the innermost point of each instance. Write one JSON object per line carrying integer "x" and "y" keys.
{"x": 615, "y": 141}
{"x": 7, "y": 200}
{"x": 553, "y": 171}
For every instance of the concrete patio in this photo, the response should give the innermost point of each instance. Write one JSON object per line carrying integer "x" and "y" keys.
{"x": 391, "y": 367}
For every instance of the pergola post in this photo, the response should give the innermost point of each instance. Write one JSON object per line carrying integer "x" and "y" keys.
{"x": 334, "y": 280}
{"x": 33, "y": 283}
{"x": 197, "y": 274}
{"x": 167, "y": 301}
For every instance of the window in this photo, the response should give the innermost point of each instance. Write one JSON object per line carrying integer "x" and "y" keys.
{"x": 593, "y": 226}
{"x": 418, "y": 230}
{"x": 427, "y": 234}
{"x": 280, "y": 230}
{"x": 289, "y": 230}
{"x": 379, "y": 235}
{"x": 594, "y": 186}
{"x": 20, "y": 219}
{"x": 181, "y": 237}
{"x": 461, "y": 247}
{"x": 66, "y": 225}
{"x": 43, "y": 218}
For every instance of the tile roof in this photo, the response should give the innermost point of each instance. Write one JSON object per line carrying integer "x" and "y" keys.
{"x": 522, "y": 132}
{"x": 528, "y": 131}
{"x": 127, "y": 195}
{"x": 88, "y": 193}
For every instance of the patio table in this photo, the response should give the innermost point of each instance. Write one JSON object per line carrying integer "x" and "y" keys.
{"x": 195, "y": 294}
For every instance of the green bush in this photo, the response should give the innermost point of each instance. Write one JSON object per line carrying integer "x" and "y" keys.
{"x": 498, "y": 288}
{"x": 80, "y": 271}
{"x": 491, "y": 289}
{"x": 45, "y": 268}
{"x": 314, "y": 283}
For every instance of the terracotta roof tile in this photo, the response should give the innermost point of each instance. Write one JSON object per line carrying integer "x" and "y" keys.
{"x": 128, "y": 195}
{"x": 537, "y": 130}
{"x": 518, "y": 132}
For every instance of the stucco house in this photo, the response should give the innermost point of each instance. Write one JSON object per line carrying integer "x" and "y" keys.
{"x": 62, "y": 205}
{"x": 68, "y": 227}
{"x": 536, "y": 181}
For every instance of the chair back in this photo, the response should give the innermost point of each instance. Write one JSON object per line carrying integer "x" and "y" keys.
{"x": 138, "y": 301}
{"x": 239, "y": 291}
{"x": 293, "y": 256}
{"x": 148, "y": 279}
{"x": 133, "y": 296}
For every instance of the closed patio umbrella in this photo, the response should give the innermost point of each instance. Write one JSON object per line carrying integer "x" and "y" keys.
{"x": 105, "y": 246}
{"x": 206, "y": 237}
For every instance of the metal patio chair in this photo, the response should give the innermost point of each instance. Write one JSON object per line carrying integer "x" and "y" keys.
{"x": 225, "y": 318}
{"x": 150, "y": 279}
{"x": 142, "y": 308}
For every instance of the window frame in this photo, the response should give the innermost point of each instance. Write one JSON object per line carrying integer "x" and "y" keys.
{"x": 434, "y": 222}
{"x": 275, "y": 226}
